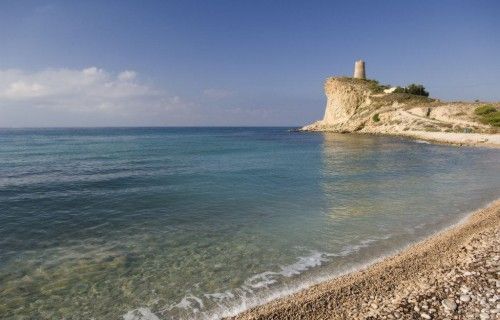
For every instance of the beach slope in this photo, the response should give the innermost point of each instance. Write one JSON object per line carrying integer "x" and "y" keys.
{"x": 451, "y": 275}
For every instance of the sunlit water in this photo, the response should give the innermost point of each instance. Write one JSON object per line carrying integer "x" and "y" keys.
{"x": 202, "y": 222}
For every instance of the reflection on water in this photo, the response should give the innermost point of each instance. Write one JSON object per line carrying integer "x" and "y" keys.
{"x": 199, "y": 223}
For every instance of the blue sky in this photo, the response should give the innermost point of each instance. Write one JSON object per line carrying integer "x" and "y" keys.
{"x": 140, "y": 63}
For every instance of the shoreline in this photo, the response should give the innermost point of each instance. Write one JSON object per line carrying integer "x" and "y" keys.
{"x": 425, "y": 280}
{"x": 485, "y": 140}
{"x": 454, "y": 138}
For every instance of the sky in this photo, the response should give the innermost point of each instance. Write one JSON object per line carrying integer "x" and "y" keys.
{"x": 231, "y": 63}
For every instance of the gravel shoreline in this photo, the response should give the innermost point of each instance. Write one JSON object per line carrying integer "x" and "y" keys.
{"x": 454, "y": 138}
{"x": 451, "y": 275}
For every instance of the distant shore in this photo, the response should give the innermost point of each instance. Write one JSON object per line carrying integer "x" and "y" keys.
{"x": 448, "y": 138}
{"x": 454, "y": 138}
{"x": 451, "y": 275}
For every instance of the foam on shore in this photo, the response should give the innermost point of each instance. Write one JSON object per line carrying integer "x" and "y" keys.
{"x": 250, "y": 298}
{"x": 346, "y": 291}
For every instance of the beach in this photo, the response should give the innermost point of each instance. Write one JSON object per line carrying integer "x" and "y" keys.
{"x": 451, "y": 275}
{"x": 456, "y": 138}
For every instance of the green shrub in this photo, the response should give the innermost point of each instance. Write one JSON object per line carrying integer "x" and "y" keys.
{"x": 375, "y": 86}
{"x": 484, "y": 110}
{"x": 376, "y": 117}
{"x": 488, "y": 115}
{"x": 415, "y": 89}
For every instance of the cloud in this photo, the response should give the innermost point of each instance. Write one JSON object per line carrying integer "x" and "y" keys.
{"x": 72, "y": 89}
{"x": 61, "y": 94}
{"x": 217, "y": 94}
{"x": 95, "y": 97}
{"x": 127, "y": 75}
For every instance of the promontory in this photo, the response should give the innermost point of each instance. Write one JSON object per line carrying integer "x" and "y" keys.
{"x": 360, "y": 105}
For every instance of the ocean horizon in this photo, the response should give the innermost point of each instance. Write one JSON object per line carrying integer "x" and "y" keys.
{"x": 204, "y": 222}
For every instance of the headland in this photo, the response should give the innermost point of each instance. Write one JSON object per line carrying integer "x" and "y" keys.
{"x": 360, "y": 105}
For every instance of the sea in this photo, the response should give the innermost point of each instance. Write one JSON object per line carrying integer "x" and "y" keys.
{"x": 203, "y": 223}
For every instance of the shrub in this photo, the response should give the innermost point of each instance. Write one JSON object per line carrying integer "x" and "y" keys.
{"x": 417, "y": 89}
{"x": 488, "y": 115}
{"x": 376, "y": 117}
{"x": 484, "y": 109}
{"x": 375, "y": 86}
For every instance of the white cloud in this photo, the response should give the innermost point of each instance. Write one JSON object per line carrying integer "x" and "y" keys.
{"x": 65, "y": 96}
{"x": 21, "y": 89}
{"x": 95, "y": 97}
{"x": 88, "y": 89}
{"x": 127, "y": 75}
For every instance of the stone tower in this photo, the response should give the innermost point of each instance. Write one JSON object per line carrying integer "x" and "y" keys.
{"x": 359, "y": 70}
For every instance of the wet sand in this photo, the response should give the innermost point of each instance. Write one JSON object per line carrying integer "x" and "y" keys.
{"x": 451, "y": 275}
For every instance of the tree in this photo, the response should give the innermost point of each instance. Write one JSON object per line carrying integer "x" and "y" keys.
{"x": 417, "y": 89}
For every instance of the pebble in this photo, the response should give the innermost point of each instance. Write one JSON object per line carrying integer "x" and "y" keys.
{"x": 484, "y": 316}
{"x": 449, "y": 304}
{"x": 467, "y": 290}
{"x": 464, "y": 289}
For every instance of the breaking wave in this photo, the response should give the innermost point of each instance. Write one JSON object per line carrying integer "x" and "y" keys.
{"x": 256, "y": 290}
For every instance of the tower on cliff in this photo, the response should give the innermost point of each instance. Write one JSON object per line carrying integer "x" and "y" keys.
{"x": 359, "y": 70}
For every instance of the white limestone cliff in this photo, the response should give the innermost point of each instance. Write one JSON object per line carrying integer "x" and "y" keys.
{"x": 359, "y": 105}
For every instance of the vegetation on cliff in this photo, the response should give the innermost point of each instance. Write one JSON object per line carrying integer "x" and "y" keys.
{"x": 488, "y": 115}
{"x": 416, "y": 89}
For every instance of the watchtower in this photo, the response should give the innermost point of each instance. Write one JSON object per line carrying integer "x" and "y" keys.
{"x": 359, "y": 70}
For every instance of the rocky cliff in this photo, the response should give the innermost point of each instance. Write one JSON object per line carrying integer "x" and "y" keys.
{"x": 357, "y": 105}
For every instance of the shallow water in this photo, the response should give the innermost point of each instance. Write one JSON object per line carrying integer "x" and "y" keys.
{"x": 185, "y": 223}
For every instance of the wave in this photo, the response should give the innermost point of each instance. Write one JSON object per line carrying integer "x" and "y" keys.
{"x": 422, "y": 141}
{"x": 256, "y": 290}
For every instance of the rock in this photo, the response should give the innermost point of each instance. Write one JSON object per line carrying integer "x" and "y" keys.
{"x": 465, "y": 298}
{"x": 484, "y": 316}
{"x": 425, "y": 316}
{"x": 344, "y": 98}
{"x": 449, "y": 304}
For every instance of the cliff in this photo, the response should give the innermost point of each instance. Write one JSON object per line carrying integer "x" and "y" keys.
{"x": 357, "y": 105}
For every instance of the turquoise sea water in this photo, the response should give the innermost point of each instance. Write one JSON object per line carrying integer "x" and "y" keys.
{"x": 182, "y": 223}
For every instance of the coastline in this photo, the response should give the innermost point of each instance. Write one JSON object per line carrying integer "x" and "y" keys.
{"x": 455, "y": 138}
{"x": 484, "y": 140}
{"x": 452, "y": 274}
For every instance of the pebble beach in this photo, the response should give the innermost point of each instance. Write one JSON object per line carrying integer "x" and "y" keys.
{"x": 451, "y": 275}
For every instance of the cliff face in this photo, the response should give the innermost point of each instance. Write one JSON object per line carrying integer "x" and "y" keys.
{"x": 344, "y": 99}
{"x": 357, "y": 105}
